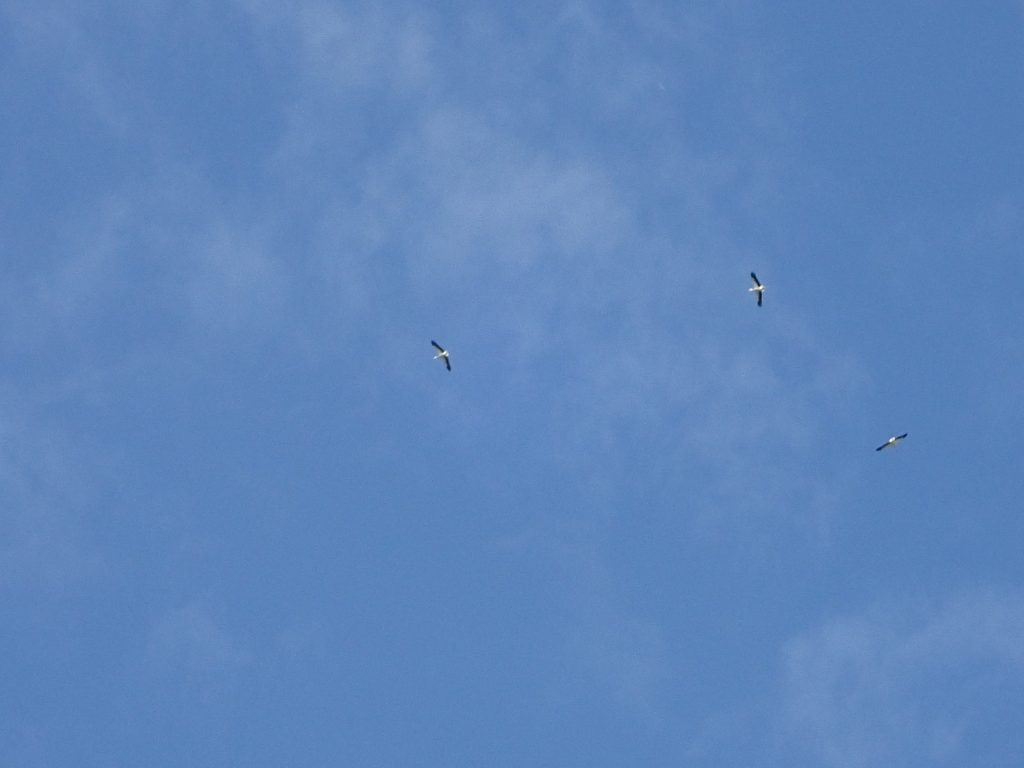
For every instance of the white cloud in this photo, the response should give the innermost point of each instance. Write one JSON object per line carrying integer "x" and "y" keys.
{"x": 193, "y": 640}
{"x": 52, "y": 40}
{"x": 463, "y": 216}
{"x": 161, "y": 245}
{"x": 377, "y": 47}
{"x": 539, "y": 254}
{"x": 191, "y": 654}
{"x": 630, "y": 656}
{"x": 905, "y": 687}
{"x": 234, "y": 284}
{"x": 46, "y": 485}
{"x": 350, "y": 46}
{"x": 460, "y": 215}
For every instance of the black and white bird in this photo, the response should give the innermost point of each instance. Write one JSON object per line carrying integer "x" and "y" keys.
{"x": 891, "y": 441}
{"x": 758, "y": 288}
{"x": 442, "y": 354}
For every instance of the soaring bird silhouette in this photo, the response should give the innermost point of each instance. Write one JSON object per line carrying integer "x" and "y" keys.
{"x": 442, "y": 354}
{"x": 891, "y": 441}
{"x": 758, "y": 288}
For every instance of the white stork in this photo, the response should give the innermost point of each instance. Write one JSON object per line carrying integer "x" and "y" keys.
{"x": 757, "y": 288}
{"x": 442, "y": 354}
{"x": 891, "y": 441}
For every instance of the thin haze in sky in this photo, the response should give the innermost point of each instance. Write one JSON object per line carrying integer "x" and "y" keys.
{"x": 246, "y": 519}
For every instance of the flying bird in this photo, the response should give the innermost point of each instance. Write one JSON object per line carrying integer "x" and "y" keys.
{"x": 442, "y": 354}
{"x": 891, "y": 441}
{"x": 758, "y": 288}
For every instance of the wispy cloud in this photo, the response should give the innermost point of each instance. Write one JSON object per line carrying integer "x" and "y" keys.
{"x": 909, "y": 687}
{"x": 192, "y": 639}
{"x": 504, "y": 237}
{"x": 37, "y": 30}
{"x": 191, "y": 653}
{"x": 525, "y": 241}
{"x": 371, "y": 46}
{"x": 235, "y": 283}
{"x": 458, "y": 196}
{"x": 47, "y": 485}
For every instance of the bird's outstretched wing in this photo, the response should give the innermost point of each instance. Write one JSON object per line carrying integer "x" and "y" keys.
{"x": 437, "y": 346}
{"x": 760, "y": 296}
{"x": 447, "y": 364}
{"x": 754, "y": 278}
{"x": 900, "y": 437}
{"x": 886, "y": 444}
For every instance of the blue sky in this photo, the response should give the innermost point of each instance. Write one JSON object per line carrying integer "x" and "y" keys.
{"x": 245, "y": 519}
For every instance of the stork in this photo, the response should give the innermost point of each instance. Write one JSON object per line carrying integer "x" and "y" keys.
{"x": 891, "y": 441}
{"x": 757, "y": 288}
{"x": 442, "y": 354}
